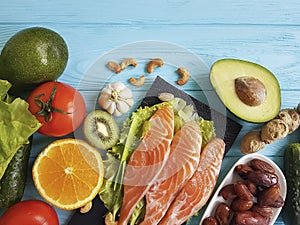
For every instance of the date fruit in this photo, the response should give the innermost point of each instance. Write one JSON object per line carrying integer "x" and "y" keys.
{"x": 242, "y": 191}
{"x": 223, "y": 213}
{"x": 210, "y": 221}
{"x": 278, "y": 203}
{"x": 252, "y": 187}
{"x": 263, "y": 179}
{"x": 228, "y": 192}
{"x": 242, "y": 170}
{"x": 250, "y": 218}
{"x": 265, "y": 211}
{"x": 268, "y": 196}
{"x": 258, "y": 164}
{"x": 239, "y": 204}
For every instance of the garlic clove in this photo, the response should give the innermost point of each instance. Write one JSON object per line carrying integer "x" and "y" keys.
{"x": 104, "y": 102}
{"x": 130, "y": 102}
{"x": 122, "y": 107}
{"x": 118, "y": 86}
{"x": 125, "y": 93}
{"x": 107, "y": 90}
{"x": 111, "y": 108}
{"x": 106, "y": 93}
{"x": 117, "y": 113}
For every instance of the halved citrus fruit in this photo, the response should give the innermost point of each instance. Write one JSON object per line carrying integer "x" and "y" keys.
{"x": 68, "y": 173}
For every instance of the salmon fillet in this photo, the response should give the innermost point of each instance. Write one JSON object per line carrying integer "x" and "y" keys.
{"x": 183, "y": 160}
{"x": 147, "y": 161}
{"x": 196, "y": 192}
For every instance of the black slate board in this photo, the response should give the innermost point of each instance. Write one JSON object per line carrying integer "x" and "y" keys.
{"x": 226, "y": 128}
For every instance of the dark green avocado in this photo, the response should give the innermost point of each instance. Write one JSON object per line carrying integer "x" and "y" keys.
{"x": 34, "y": 55}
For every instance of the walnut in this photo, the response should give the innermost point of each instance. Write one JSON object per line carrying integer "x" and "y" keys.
{"x": 291, "y": 117}
{"x": 252, "y": 142}
{"x": 274, "y": 130}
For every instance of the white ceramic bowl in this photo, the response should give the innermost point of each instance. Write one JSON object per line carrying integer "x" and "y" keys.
{"x": 232, "y": 177}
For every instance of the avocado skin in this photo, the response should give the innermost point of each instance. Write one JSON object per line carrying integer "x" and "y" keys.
{"x": 12, "y": 184}
{"x": 34, "y": 55}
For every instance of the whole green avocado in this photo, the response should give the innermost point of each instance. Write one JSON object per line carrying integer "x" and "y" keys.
{"x": 32, "y": 56}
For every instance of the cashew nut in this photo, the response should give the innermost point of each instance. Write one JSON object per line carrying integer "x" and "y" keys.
{"x": 137, "y": 82}
{"x": 109, "y": 219}
{"x": 153, "y": 64}
{"x": 128, "y": 62}
{"x": 115, "y": 67}
{"x": 86, "y": 208}
{"x": 185, "y": 75}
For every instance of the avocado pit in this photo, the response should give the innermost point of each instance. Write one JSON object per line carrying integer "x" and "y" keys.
{"x": 250, "y": 90}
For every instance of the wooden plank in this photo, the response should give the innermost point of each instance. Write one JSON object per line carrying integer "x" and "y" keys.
{"x": 179, "y": 12}
{"x": 275, "y": 47}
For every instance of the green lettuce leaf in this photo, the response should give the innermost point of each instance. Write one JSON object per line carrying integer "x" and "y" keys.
{"x": 17, "y": 124}
{"x": 207, "y": 130}
{"x": 5, "y": 86}
{"x": 138, "y": 214}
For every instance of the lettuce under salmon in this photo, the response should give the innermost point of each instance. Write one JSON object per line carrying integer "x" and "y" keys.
{"x": 131, "y": 134}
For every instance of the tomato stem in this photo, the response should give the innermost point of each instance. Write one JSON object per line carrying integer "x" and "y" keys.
{"x": 46, "y": 108}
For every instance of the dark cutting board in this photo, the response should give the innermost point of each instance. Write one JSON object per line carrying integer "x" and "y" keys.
{"x": 226, "y": 128}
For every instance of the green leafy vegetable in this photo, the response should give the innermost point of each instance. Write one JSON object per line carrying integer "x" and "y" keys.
{"x": 185, "y": 113}
{"x": 5, "y": 86}
{"x": 17, "y": 124}
{"x": 138, "y": 214}
{"x": 207, "y": 130}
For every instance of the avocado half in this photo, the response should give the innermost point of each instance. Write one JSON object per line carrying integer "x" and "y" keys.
{"x": 223, "y": 74}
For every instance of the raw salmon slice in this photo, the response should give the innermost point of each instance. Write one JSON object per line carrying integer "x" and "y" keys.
{"x": 147, "y": 161}
{"x": 183, "y": 160}
{"x": 196, "y": 192}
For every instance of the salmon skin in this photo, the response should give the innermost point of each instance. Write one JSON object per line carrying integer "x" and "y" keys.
{"x": 183, "y": 160}
{"x": 196, "y": 192}
{"x": 147, "y": 161}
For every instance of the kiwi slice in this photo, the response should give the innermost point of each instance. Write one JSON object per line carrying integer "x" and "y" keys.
{"x": 101, "y": 129}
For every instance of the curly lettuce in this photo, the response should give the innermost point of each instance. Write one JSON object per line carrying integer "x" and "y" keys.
{"x": 17, "y": 124}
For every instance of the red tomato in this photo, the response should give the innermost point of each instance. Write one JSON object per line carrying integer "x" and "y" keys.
{"x": 30, "y": 212}
{"x": 59, "y": 107}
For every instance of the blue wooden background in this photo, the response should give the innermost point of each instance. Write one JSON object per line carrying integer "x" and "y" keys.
{"x": 266, "y": 32}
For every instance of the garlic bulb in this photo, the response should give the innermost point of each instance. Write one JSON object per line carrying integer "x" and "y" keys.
{"x": 116, "y": 98}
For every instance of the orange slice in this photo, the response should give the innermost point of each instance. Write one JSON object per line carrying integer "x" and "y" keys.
{"x": 68, "y": 173}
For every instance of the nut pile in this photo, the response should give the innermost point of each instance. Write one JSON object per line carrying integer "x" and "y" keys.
{"x": 151, "y": 65}
{"x": 250, "y": 200}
